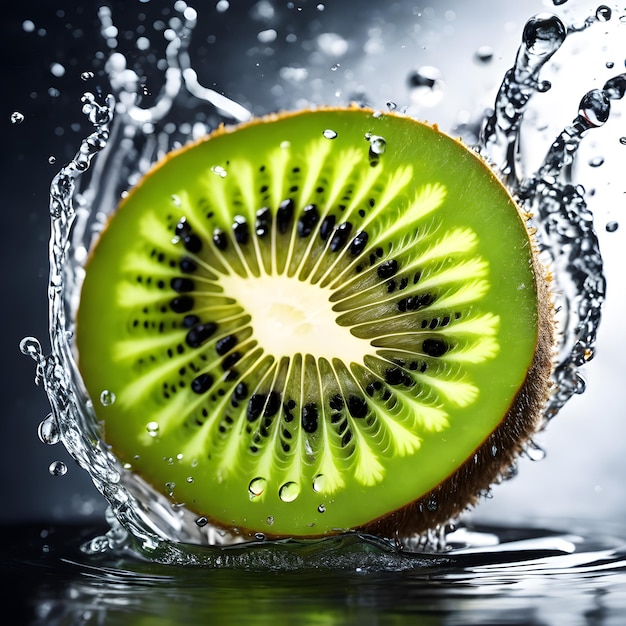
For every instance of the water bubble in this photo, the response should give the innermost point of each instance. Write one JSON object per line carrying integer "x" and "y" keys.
{"x": 603, "y": 13}
{"x": 257, "y": 487}
{"x": 56, "y": 69}
{"x": 615, "y": 88}
{"x": 201, "y": 521}
{"x": 107, "y": 398}
{"x": 594, "y": 109}
{"x": 378, "y": 144}
{"x": 152, "y": 428}
{"x": 218, "y": 170}
{"x": 31, "y": 347}
{"x": 319, "y": 483}
{"x": 544, "y": 34}
{"x": 57, "y": 468}
{"x": 48, "y": 430}
{"x": 28, "y": 26}
{"x": 611, "y": 227}
{"x": 329, "y": 133}
{"x": 289, "y": 492}
{"x": 17, "y": 117}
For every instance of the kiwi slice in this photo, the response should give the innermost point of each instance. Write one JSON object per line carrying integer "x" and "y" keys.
{"x": 318, "y": 321}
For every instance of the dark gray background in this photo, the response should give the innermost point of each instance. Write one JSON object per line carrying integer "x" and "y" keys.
{"x": 582, "y": 474}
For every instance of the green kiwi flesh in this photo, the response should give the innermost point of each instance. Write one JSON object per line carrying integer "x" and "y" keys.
{"x": 315, "y": 322}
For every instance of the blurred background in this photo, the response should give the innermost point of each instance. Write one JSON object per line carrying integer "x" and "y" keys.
{"x": 272, "y": 54}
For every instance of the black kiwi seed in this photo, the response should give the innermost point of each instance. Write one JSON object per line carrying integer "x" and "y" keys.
{"x": 255, "y": 406}
{"x": 358, "y": 243}
{"x": 284, "y": 214}
{"x": 272, "y": 405}
{"x": 434, "y": 347}
{"x": 326, "y": 227}
{"x": 225, "y": 344}
{"x": 201, "y": 383}
{"x": 181, "y": 285}
{"x": 181, "y": 304}
{"x": 336, "y": 403}
{"x": 230, "y": 360}
{"x": 357, "y": 406}
{"x": 200, "y": 333}
{"x": 308, "y": 220}
{"x": 309, "y": 417}
{"x": 183, "y": 228}
{"x": 190, "y": 320}
{"x": 187, "y": 265}
{"x": 387, "y": 269}
{"x": 241, "y": 391}
{"x": 241, "y": 230}
{"x": 340, "y": 236}
{"x": 192, "y": 243}
{"x": 219, "y": 239}
{"x": 263, "y": 221}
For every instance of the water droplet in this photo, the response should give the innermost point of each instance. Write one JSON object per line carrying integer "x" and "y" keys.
{"x": 152, "y": 428}
{"x": 270, "y": 520}
{"x": 52, "y": 160}
{"x": 319, "y": 483}
{"x": 57, "y": 468}
{"x": 543, "y": 35}
{"x": 378, "y": 144}
{"x": 56, "y": 69}
{"x": 259, "y": 536}
{"x": 534, "y": 452}
{"x": 391, "y": 105}
{"x": 48, "y": 431}
{"x": 87, "y": 75}
{"x": 289, "y": 492}
{"x": 603, "y": 13}
{"x": 609, "y": 65}
{"x": 484, "y": 54}
{"x": 31, "y": 347}
{"x": 558, "y": 2}
{"x": 615, "y": 88}
{"x": 218, "y": 170}
{"x": 189, "y": 479}
{"x": 201, "y": 522}
{"x": 107, "y": 398}
{"x": 321, "y": 508}
{"x": 222, "y": 6}
{"x": 594, "y": 109}
{"x": 426, "y": 85}
{"x": 257, "y": 487}
{"x": 17, "y": 117}
{"x": 335, "y": 67}
{"x": 596, "y": 161}
{"x": 611, "y": 227}
{"x": 432, "y": 505}
{"x": 329, "y": 133}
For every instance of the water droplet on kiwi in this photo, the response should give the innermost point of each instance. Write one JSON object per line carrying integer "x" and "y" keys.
{"x": 107, "y": 398}
{"x": 48, "y": 431}
{"x": 270, "y": 520}
{"x": 189, "y": 479}
{"x": 378, "y": 144}
{"x": 218, "y": 170}
{"x": 329, "y": 133}
{"x": 534, "y": 452}
{"x": 432, "y": 505}
{"x": 319, "y": 483}
{"x": 256, "y": 487}
{"x": 57, "y": 468}
{"x": 259, "y": 536}
{"x": 152, "y": 428}
{"x": 17, "y": 117}
{"x": 392, "y": 106}
{"x": 611, "y": 227}
{"x": 321, "y": 508}
{"x": 289, "y": 492}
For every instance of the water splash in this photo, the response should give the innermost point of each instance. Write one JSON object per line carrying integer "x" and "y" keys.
{"x": 130, "y": 135}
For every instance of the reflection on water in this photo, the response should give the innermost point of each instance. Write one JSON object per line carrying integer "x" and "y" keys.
{"x": 517, "y": 576}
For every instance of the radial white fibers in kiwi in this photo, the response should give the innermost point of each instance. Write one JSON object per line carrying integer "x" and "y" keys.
{"x": 318, "y": 321}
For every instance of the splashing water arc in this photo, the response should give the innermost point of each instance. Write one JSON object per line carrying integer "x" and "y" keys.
{"x": 127, "y": 138}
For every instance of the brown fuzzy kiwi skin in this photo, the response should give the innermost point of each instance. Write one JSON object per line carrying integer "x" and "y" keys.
{"x": 461, "y": 490}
